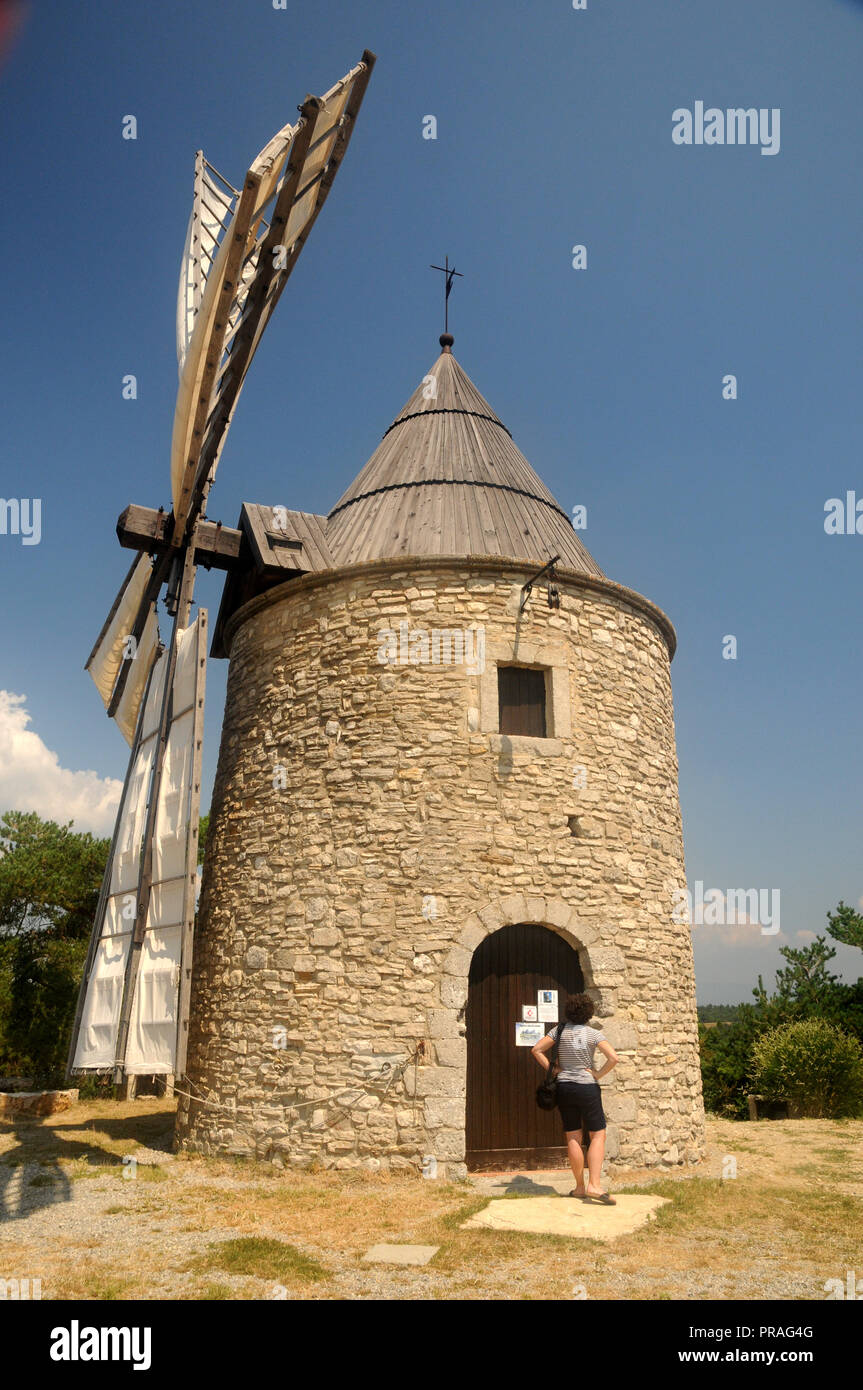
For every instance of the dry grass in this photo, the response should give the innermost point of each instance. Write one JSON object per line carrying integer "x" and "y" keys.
{"x": 96, "y": 1131}
{"x": 194, "y": 1228}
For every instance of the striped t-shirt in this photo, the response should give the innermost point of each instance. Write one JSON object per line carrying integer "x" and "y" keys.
{"x": 575, "y": 1055}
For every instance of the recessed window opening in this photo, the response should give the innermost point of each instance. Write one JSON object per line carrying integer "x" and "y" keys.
{"x": 522, "y": 701}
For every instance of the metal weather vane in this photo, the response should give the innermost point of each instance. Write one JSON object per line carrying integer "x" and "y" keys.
{"x": 241, "y": 247}
{"x": 449, "y": 271}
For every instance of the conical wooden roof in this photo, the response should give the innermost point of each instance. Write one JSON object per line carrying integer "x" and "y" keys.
{"x": 447, "y": 479}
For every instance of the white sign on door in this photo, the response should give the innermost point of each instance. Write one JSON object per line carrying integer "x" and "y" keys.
{"x": 528, "y": 1034}
{"x": 547, "y": 1011}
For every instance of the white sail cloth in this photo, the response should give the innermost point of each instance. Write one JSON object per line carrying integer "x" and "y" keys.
{"x": 152, "y": 1041}
{"x": 211, "y": 212}
{"x": 152, "y": 1038}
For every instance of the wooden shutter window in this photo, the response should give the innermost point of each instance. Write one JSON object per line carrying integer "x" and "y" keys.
{"x": 521, "y": 701}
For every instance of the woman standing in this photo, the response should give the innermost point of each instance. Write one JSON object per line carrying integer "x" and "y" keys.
{"x": 579, "y": 1098}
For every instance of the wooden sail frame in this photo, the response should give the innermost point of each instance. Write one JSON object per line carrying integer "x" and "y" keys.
{"x": 201, "y": 444}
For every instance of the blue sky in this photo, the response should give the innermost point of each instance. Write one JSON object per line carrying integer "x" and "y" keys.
{"x": 554, "y": 128}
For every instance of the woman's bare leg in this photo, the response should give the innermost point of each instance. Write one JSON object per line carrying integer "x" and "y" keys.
{"x": 576, "y": 1157}
{"x": 595, "y": 1156}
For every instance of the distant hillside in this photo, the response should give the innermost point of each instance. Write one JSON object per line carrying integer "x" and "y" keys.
{"x": 717, "y": 1013}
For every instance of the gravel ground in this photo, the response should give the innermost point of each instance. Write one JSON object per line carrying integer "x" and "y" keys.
{"x": 60, "y": 1224}
{"x": 75, "y": 1217}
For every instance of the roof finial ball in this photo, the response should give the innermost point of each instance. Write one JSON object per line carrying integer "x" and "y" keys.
{"x": 446, "y": 341}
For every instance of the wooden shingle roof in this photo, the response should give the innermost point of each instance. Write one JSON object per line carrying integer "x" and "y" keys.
{"x": 447, "y": 479}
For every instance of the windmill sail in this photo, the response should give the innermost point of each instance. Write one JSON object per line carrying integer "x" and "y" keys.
{"x": 126, "y": 717}
{"x": 241, "y": 246}
{"x": 116, "y": 640}
{"x": 158, "y": 1021}
{"x": 288, "y": 182}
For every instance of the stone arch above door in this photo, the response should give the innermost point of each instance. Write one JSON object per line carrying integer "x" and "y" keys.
{"x": 596, "y": 960}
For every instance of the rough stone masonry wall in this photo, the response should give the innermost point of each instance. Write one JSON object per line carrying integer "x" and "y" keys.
{"x": 350, "y": 794}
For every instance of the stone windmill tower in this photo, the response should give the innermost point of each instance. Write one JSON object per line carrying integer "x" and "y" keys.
{"x": 443, "y": 791}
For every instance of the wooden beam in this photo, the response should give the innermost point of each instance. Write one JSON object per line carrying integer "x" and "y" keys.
{"x": 355, "y": 101}
{"x": 239, "y": 232}
{"x": 144, "y": 528}
{"x": 191, "y": 883}
{"x": 337, "y": 154}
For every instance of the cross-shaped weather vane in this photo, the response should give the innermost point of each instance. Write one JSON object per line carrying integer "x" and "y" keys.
{"x": 449, "y": 271}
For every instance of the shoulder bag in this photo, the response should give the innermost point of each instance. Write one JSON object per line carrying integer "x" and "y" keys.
{"x": 546, "y": 1092}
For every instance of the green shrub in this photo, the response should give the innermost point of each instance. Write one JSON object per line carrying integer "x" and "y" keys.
{"x": 813, "y": 1065}
{"x": 805, "y": 989}
{"x": 43, "y": 976}
{"x": 726, "y": 1058}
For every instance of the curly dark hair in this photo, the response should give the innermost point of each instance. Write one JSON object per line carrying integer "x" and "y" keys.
{"x": 578, "y": 1008}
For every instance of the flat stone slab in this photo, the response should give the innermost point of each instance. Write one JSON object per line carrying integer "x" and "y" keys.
{"x": 567, "y": 1216}
{"x": 400, "y": 1254}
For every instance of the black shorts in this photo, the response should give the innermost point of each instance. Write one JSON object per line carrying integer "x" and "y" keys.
{"x": 580, "y": 1105}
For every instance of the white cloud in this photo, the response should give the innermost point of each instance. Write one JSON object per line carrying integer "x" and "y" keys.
{"x": 746, "y": 934}
{"x": 31, "y": 778}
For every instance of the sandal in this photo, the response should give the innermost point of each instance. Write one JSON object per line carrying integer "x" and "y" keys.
{"x": 580, "y": 1195}
{"x": 604, "y": 1199}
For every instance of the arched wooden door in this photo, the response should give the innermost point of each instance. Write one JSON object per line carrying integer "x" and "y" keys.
{"x": 505, "y": 1127}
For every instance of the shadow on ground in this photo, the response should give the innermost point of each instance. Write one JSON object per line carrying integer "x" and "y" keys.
{"x": 520, "y": 1185}
{"x": 32, "y": 1171}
